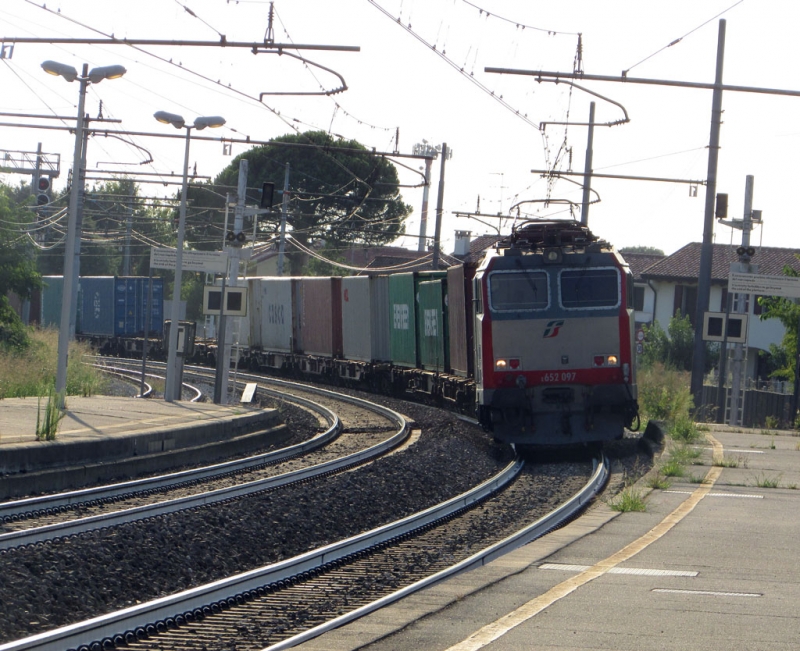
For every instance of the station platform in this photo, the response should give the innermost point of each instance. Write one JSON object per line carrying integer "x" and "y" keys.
{"x": 103, "y": 438}
{"x": 711, "y": 564}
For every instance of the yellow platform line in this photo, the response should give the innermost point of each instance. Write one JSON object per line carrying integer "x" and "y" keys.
{"x": 491, "y": 632}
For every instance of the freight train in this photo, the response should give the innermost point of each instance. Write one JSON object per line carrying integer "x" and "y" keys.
{"x": 536, "y": 340}
{"x": 111, "y": 311}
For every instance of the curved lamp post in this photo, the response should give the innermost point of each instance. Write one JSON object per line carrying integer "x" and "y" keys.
{"x": 172, "y": 388}
{"x": 93, "y": 76}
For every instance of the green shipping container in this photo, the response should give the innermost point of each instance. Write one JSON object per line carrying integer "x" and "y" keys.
{"x": 52, "y": 291}
{"x": 402, "y": 319}
{"x": 432, "y": 326}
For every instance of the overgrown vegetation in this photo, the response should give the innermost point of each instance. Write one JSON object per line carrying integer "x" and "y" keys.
{"x": 47, "y": 426}
{"x": 31, "y": 372}
{"x": 674, "y": 349}
{"x": 629, "y": 499}
{"x": 664, "y": 393}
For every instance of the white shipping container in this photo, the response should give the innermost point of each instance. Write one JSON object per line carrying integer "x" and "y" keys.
{"x": 271, "y": 303}
{"x": 365, "y": 339}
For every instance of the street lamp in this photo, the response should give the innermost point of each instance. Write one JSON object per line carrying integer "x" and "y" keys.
{"x": 172, "y": 389}
{"x": 95, "y": 76}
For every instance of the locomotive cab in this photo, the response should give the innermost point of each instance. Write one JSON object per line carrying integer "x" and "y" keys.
{"x": 554, "y": 325}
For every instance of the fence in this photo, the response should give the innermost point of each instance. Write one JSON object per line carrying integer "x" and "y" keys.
{"x": 759, "y": 406}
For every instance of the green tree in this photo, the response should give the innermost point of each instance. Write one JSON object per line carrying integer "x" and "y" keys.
{"x": 112, "y": 210}
{"x": 340, "y": 194}
{"x": 641, "y": 249}
{"x": 675, "y": 347}
{"x": 17, "y": 267}
{"x": 788, "y": 312}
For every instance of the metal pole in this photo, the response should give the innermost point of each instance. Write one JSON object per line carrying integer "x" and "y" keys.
{"x": 126, "y": 266}
{"x": 234, "y": 256}
{"x": 148, "y": 317}
{"x": 587, "y": 169}
{"x": 284, "y": 209}
{"x": 423, "y": 220}
{"x": 439, "y": 204}
{"x": 73, "y": 315}
{"x": 723, "y": 367}
{"x": 172, "y": 352}
{"x": 220, "y": 348}
{"x": 707, "y": 250}
{"x": 69, "y": 254}
{"x": 736, "y": 417}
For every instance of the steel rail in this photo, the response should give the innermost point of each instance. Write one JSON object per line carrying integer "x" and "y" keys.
{"x": 72, "y": 527}
{"x": 117, "y": 623}
{"x": 71, "y": 498}
{"x": 542, "y": 526}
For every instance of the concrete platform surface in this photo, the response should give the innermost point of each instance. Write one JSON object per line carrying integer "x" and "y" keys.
{"x": 103, "y": 437}
{"x": 97, "y": 417}
{"x": 713, "y": 565}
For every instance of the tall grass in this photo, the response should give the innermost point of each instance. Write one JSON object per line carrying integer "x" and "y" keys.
{"x": 664, "y": 393}
{"x": 32, "y": 372}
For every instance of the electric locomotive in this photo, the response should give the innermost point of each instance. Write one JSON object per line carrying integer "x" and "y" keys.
{"x": 554, "y": 319}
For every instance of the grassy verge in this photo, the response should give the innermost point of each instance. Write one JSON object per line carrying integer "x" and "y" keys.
{"x": 31, "y": 373}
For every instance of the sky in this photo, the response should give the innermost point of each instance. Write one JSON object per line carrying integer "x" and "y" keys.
{"x": 419, "y": 76}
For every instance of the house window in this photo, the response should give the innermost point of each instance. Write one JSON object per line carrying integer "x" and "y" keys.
{"x": 638, "y": 299}
{"x": 686, "y": 301}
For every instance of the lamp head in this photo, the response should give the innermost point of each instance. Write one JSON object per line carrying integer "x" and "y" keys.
{"x": 96, "y": 75}
{"x": 60, "y": 69}
{"x": 175, "y": 120}
{"x": 210, "y": 121}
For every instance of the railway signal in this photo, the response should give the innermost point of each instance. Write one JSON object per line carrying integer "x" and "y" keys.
{"x": 43, "y": 191}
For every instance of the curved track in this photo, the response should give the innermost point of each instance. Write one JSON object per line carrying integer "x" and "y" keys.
{"x": 42, "y": 518}
{"x": 318, "y": 586}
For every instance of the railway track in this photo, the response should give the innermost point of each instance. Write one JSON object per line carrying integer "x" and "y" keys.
{"x": 38, "y": 519}
{"x": 284, "y": 603}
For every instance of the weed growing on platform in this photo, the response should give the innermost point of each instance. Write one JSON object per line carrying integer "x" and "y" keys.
{"x": 47, "y": 427}
{"x": 673, "y": 468}
{"x": 762, "y": 481}
{"x": 729, "y": 462}
{"x": 697, "y": 479}
{"x": 31, "y": 373}
{"x": 659, "y": 481}
{"x": 628, "y": 500}
{"x": 686, "y": 454}
{"x": 684, "y": 430}
{"x": 664, "y": 393}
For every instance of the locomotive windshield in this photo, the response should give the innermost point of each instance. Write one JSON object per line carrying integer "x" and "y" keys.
{"x": 589, "y": 288}
{"x": 518, "y": 290}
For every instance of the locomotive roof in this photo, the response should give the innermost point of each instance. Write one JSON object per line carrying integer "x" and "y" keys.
{"x": 541, "y": 234}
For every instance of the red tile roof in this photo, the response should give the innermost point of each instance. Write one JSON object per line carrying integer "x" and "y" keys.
{"x": 684, "y": 264}
{"x": 640, "y": 262}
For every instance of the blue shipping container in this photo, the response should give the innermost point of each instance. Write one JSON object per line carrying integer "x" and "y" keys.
{"x": 117, "y": 306}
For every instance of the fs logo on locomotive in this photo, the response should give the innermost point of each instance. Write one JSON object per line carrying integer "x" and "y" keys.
{"x": 552, "y": 329}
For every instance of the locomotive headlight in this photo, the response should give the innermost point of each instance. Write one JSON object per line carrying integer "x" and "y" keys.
{"x": 500, "y": 364}
{"x": 613, "y": 360}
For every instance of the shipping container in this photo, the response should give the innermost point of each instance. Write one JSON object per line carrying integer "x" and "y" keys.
{"x": 51, "y": 297}
{"x": 321, "y": 316}
{"x": 365, "y": 339}
{"x": 403, "y": 319}
{"x": 116, "y": 306}
{"x": 272, "y": 313}
{"x": 459, "y": 309}
{"x": 432, "y": 325}
{"x": 97, "y": 300}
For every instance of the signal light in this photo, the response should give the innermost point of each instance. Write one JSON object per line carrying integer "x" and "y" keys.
{"x": 267, "y": 190}
{"x": 42, "y": 191}
{"x": 721, "y": 210}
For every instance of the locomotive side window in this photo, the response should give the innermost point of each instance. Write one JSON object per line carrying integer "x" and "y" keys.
{"x": 587, "y": 289}
{"x": 518, "y": 290}
{"x": 477, "y": 296}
